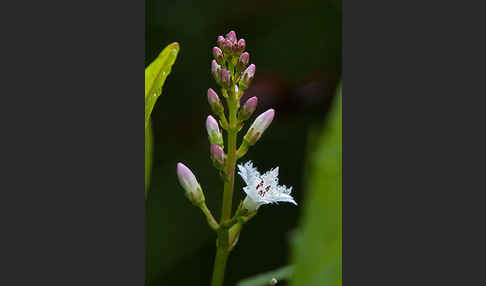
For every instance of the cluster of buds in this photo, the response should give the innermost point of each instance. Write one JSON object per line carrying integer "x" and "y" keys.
{"x": 230, "y": 65}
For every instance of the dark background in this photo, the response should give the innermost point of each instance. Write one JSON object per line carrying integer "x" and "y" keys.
{"x": 296, "y": 47}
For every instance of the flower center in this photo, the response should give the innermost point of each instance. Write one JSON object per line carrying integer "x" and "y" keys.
{"x": 262, "y": 190}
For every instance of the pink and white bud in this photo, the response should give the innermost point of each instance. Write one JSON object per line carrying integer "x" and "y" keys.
{"x": 220, "y": 41}
{"x": 215, "y": 67}
{"x": 248, "y": 108}
{"x": 231, "y": 36}
{"x": 190, "y": 184}
{"x": 214, "y": 134}
{"x": 241, "y": 45}
{"x": 225, "y": 78}
{"x": 214, "y": 102}
{"x": 259, "y": 126}
{"x": 247, "y": 77}
{"x": 243, "y": 61}
{"x": 218, "y": 55}
{"x": 215, "y": 71}
{"x": 227, "y": 47}
{"x": 217, "y": 156}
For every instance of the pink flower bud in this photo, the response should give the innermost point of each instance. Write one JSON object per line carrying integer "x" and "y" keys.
{"x": 215, "y": 71}
{"x": 215, "y": 67}
{"x": 231, "y": 36}
{"x": 247, "y": 77}
{"x": 214, "y": 133}
{"x": 259, "y": 126}
{"x": 227, "y": 47}
{"x": 217, "y": 156}
{"x": 214, "y": 102}
{"x": 225, "y": 78}
{"x": 190, "y": 184}
{"x": 241, "y": 45}
{"x": 218, "y": 55}
{"x": 248, "y": 108}
{"x": 243, "y": 61}
{"x": 220, "y": 41}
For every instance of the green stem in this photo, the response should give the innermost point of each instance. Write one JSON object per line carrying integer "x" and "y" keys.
{"x": 219, "y": 266}
{"x": 223, "y": 247}
{"x": 209, "y": 217}
{"x": 231, "y": 161}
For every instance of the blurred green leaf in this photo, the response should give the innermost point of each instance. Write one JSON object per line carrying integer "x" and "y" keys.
{"x": 317, "y": 246}
{"x": 155, "y": 75}
{"x": 264, "y": 278}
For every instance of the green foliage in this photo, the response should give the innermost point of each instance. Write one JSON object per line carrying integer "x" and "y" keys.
{"x": 155, "y": 76}
{"x": 317, "y": 247}
{"x": 264, "y": 278}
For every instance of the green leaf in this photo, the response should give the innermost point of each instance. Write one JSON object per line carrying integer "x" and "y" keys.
{"x": 264, "y": 278}
{"x": 317, "y": 246}
{"x": 155, "y": 75}
{"x": 148, "y": 156}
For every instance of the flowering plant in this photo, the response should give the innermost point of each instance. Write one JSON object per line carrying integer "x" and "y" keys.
{"x": 232, "y": 73}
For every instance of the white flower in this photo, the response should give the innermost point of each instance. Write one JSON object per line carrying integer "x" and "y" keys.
{"x": 262, "y": 189}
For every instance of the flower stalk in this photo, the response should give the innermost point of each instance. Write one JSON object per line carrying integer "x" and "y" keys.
{"x": 232, "y": 73}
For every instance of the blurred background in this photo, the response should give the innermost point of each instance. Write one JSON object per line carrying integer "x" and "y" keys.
{"x": 296, "y": 47}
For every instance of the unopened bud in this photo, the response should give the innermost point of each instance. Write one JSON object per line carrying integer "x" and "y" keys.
{"x": 218, "y": 55}
{"x": 241, "y": 45}
{"x": 259, "y": 126}
{"x": 231, "y": 36}
{"x": 225, "y": 78}
{"x": 247, "y": 77}
{"x": 214, "y": 134}
{"x": 220, "y": 41}
{"x": 228, "y": 47}
{"x": 243, "y": 61}
{"x": 190, "y": 184}
{"x": 215, "y": 71}
{"x": 217, "y": 156}
{"x": 214, "y": 102}
{"x": 248, "y": 108}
